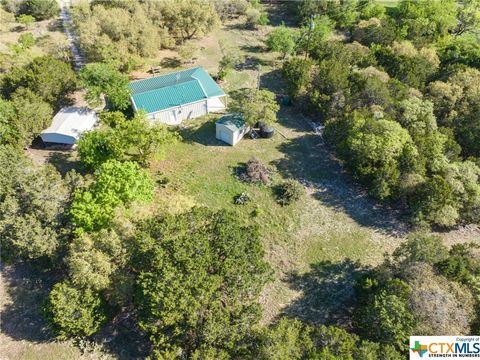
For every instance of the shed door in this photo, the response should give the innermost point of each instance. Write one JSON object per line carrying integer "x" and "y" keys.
{"x": 224, "y": 136}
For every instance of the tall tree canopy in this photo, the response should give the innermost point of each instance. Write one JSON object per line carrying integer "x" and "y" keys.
{"x": 282, "y": 40}
{"x": 198, "y": 279}
{"x": 51, "y": 79}
{"x": 103, "y": 79}
{"x": 124, "y": 139}
{"x": 33, "y": 207}
{"x": 255, "y": 105}
{"x": 427, "y": 21}
{"x": 116, "y": 184}
{"x": 41, "y": 9}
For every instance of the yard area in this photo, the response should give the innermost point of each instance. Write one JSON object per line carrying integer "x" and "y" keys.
{"x": 49, "y": 40}
{"x": 334, "y": 221}
{"x": 316, "y": 246}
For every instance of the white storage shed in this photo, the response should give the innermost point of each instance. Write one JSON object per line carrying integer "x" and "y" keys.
{"x": 231, "y": 128}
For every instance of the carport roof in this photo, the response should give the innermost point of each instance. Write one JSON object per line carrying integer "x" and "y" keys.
{"x": 72, "y": 121}
{"x": 174, "y": 89}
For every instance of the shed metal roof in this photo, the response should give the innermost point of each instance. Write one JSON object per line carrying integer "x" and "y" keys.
{"x": 174, "y": 89}
{"x": 72, "y": 121}
{"x": 233, "y": 122}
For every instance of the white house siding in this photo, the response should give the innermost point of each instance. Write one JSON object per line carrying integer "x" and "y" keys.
{"x": 224, "y": 134}
{"x": 175, "y": 116}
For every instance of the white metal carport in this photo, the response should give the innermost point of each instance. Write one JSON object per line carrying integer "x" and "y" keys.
{"x": 68, "y": 124}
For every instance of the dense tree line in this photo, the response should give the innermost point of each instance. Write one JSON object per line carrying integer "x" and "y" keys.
{"x": 399, "y": 100}
{"x": 396, "y": 299}
{"x": 123, "y": 32}
{"x": 38, "y": 9}
{"x": 34, "y": 206}
{"x": 30, "y": 95}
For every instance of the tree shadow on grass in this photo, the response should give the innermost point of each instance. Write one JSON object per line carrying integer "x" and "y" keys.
{"x": 327, "y": 293}
{"x": 55, "y": 25}
{"x": 22, "y": 316}
{"x": 171, "y": 62}
{"x": 253, "y": 48}
{"x": 204, "y": 134}
{"x": 282, "y": 12}
{"x": 252, "y": 62}
{"x": 64, "y": 163}
{"x": 237, "y": 26}
{"x": 309, "y": 160}
{"x": 273, "y": 81}
{"x": 122, "y": 338}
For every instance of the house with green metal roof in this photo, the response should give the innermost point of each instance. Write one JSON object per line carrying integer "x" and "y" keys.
{"x": 178, "y": 96}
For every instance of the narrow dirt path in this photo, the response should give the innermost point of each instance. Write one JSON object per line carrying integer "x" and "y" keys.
{"x": 78, "y": 58}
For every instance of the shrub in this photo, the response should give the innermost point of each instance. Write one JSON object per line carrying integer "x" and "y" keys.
{"x": 116, "y": 184}
{"x": 26, "y": 40}
{"x": 258, "y": 211}
{"x": 42, "y": 9}
{"x": 289, "y": 192}
{"x": 255, "y": 17}
{"x": 242, "y": 199}
{"x": 282, "y": 40}
{"x": 25, "y": 20}
{"x": 74, "y": 312}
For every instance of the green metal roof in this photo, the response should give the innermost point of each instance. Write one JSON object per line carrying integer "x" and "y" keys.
{"x": 232, "y": 121}
{"x": 174, "y": 89}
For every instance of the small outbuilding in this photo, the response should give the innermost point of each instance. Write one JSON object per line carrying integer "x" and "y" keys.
{"x": 68, "y": 124}
{"x": 231, "y": 128}
{"x": 178, "y": 96}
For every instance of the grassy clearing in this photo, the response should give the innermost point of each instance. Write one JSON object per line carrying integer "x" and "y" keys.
{"x": 202, "y": 171}
{"x": 389, "y": 3}
{"x": 48, "y": 39}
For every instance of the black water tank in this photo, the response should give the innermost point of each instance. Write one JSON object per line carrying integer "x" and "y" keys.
{"x": 267, "y": 132}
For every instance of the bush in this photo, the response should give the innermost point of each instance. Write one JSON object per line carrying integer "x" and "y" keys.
{"x": 289, "y": 192}
{"x": 25, "y": 20}
{"x": 242, "y": 199}
{"x": 42, "y": 9}
{"x": 116, "y": 184}
{"x": 255, "y": 17}
{"x": 257, "y": 212}
{"x": 26, "y": 40}
{"x": 74, "y": 312}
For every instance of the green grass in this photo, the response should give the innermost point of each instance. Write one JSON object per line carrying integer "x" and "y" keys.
{"x": 389, "y": 3}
